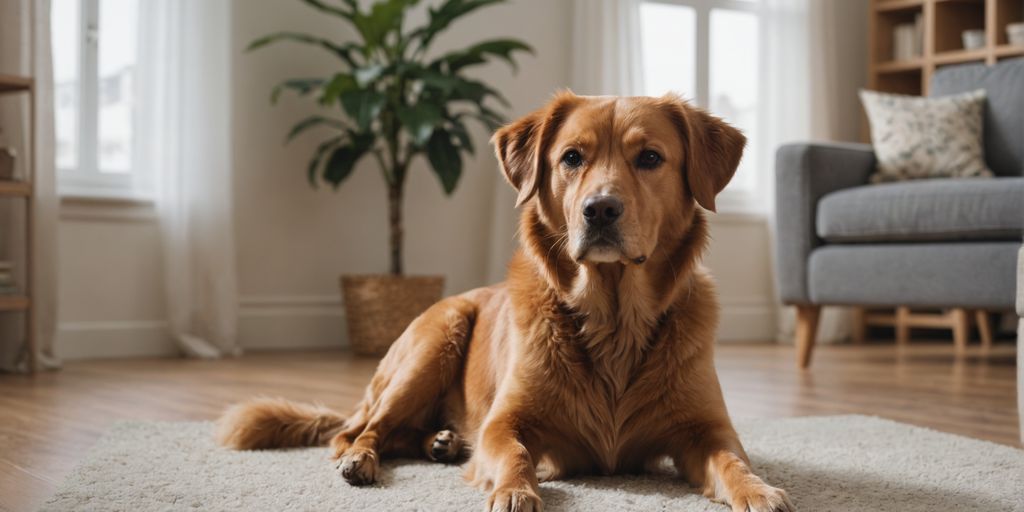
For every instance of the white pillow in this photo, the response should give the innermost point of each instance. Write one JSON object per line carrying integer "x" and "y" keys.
{"x": 915, "y": 137}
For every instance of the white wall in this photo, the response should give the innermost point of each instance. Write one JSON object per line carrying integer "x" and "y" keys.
{"x": 293, "y": 242}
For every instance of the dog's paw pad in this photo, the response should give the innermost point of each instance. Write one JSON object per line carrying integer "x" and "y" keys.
{"x": 445, "y": 447}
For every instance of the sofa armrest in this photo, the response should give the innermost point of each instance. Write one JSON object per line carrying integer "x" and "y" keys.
{"x": 804, "y": 173}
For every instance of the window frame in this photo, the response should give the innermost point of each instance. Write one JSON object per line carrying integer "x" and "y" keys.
{"x": 743, "y": 200}
{"x": 86, "y": 179}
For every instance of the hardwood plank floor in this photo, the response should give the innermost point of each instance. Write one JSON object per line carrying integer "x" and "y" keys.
{"x": 48, "y": 422}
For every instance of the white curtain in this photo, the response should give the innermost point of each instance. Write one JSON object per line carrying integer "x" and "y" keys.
{"x": 185, "y": 142}
{"x": 25, "y": 50}
{"x": 812, "y": 65}
{"x": 606, "y": 53}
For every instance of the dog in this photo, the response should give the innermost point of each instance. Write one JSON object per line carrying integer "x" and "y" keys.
{"x": 595, "y": 356}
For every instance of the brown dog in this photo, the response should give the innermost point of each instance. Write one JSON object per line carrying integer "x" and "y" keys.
{"x": 595, "y": 356}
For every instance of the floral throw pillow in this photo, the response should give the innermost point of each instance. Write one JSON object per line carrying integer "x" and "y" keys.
{"x": 915, "y": 137}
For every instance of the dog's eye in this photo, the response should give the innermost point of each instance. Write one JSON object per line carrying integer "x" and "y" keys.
{"x": 572, "y": 159}
{"x": 648, "y": 159}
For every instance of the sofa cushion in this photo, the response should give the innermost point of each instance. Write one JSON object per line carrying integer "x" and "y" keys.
{"x": 1004, "y": 108}
{"x": 927, "y": 210}
{"x": 944, "y": 274}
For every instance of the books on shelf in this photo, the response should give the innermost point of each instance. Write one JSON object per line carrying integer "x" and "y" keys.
{"x": 908, "y": 40}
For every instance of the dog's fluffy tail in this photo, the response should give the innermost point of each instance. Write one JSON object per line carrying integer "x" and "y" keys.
{"x": 276, "y": 423}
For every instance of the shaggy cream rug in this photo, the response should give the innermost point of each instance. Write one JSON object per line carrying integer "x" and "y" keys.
{"x": 827, "y": 463}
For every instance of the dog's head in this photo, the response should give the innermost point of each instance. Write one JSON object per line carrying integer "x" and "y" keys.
{"x": 617, "y": 177}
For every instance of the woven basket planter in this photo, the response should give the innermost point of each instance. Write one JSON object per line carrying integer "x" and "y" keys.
{"x": 379, "y": 307}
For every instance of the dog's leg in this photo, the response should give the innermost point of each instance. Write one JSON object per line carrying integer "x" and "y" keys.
{"x": 503, "y": 464}
{"x": 713, "y": 459}
{"x": 405, "y": 394}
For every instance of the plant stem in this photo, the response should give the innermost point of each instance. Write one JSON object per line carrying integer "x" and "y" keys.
{"x": 395, "y": 217}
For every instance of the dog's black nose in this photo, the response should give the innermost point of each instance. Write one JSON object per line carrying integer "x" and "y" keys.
{"x": 602, "y": 210}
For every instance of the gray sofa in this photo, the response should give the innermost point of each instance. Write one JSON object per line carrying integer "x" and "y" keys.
{"x": 926, "y": 243}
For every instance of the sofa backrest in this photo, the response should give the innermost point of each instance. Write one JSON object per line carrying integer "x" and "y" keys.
{"x": 1004, "y": 108}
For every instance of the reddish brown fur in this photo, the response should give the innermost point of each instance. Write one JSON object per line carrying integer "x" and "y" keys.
{"x": 571, "y": 366}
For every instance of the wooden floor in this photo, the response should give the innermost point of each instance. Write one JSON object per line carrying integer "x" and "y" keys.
{"x": 48, "y": 422}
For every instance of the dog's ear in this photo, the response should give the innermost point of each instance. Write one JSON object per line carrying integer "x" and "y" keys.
{"x": 521, "y": 145}
{"x": 713, "y": 150}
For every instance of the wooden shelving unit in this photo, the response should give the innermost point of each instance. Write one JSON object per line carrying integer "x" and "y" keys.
{"x": 943, "y": 23}
{"x": 22, "y": 190}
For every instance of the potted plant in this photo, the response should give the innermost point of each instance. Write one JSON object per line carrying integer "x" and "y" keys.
{"x": 393, "y": 101}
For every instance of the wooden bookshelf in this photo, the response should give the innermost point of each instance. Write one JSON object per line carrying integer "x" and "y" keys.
{"x": 22, "y": 189}
{"x": 943, "y": 24}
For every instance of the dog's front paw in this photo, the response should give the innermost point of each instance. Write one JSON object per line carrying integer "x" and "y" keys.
{"x": 358, "y": 467}
{"x": 516, "y": 499}
{"x": 761, "y": 497}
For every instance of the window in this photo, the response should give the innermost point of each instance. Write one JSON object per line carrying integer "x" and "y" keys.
{"x": 94, "y": 60}
{"x": 708, "y": 51}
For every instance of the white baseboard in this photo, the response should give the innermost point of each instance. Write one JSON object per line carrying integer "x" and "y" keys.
{"x": 113, "y": 339}
{"x": 290, "y": 322}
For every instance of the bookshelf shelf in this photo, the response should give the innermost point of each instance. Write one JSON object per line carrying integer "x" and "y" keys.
{"x": 14, "y": 303}
{"x": 900, "y": 66}
{"x": 9, "y": 188}
{"x": 899, "y": 5}
{"x": 14, "y": 83}
{"x": 1008, "y": 50}
{"x": 960, "y": 56}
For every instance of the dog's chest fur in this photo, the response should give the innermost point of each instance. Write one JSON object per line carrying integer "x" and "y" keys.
{"x": 604, "y": 386}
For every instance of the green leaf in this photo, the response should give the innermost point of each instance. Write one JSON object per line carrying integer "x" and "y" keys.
{"x": 318, "y": 156}
{"x": 342, "y": 83}
{"x": 333, "y": 10}
{"x": 342, "y": 51}
{"x": 476, "y": 92}
{"x": 310, "y": 122}
{"x": 444, "y": 15}
{"x": 478, "y": 53}
{"x": 459, "y": 131}
{"x": 385, "y": 16}
{"x": 303, "y": 86}
{"x": 363, "y": 106}
{"x": 419, "y": 120}
{"x": 344, "y": 158}
{"x": 444, "y": 159}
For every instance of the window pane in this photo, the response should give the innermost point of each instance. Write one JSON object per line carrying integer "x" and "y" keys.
{"x": 668, "y": 42}
{"x": 116, "y": 91}
{"x": 733, "y": 87}
{"x": 66, "y": 39}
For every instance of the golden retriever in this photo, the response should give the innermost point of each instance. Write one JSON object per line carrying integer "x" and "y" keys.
{"x": 595, "y": 355}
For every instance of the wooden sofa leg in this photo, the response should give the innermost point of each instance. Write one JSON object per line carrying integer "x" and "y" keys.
{"x": 806, "y": 332}
{"x": 961, "y": 329}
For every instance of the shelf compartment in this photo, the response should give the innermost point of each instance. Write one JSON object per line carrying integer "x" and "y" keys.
{"x": 952, "y": 18}
{"x": 902, "y": 82}
{"x": 885, "y": 22}
{"x": 1007, "y": 11}
{"x": 11, "y": 188}
{"x": 14, "y": 83}
{"x": 14, "y": 303}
